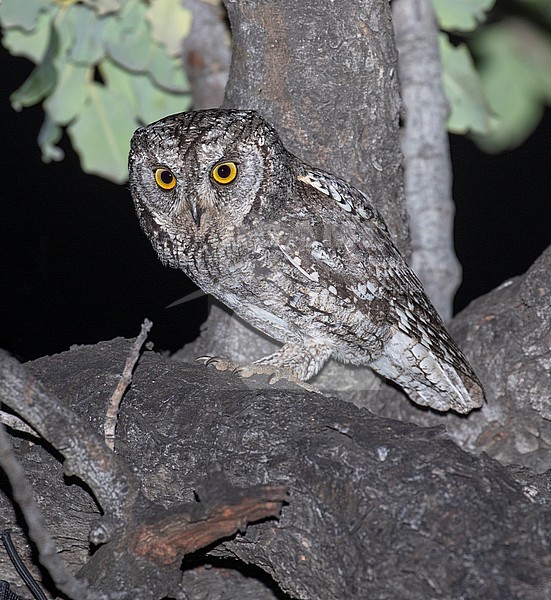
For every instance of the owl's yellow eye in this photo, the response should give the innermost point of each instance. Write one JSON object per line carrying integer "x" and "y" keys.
{"x": 164, "y": 178}
{"x": 224, "y": 172}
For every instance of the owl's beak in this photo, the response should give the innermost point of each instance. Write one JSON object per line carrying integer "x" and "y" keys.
{"x": 196, "y": 213}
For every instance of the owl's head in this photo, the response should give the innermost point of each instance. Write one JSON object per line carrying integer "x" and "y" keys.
{"x": 196, "y": 171}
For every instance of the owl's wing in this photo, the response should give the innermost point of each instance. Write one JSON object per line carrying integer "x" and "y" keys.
{"x": 344, "y": 245}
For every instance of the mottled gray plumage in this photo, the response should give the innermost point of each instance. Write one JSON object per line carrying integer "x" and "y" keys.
{"x": 295, "y": 251}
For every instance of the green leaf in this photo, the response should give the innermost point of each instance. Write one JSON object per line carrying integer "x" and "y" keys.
{"x": 127, "y": 38}
{"x": 22, "y": 13}
{"x": 155, "y": 102}
{"x": 119, "y": 81}
{"x": 31, "y": 44}
{"x": 128, "y": 42}
{"x": 87, "y": 47}
{"x": 469, "y": 109}
{"x": 65, "y": 33}
{"x": 70, "y": 93}
{"x": 515, "y": 68}
{"x": 101, "y": 133}
{"x": 170, "y": 23}
{"x": 461, "y": 15}
{"x": 48, "y": 137}
{"x": 150, "y": 102}
{"x": 42, "y": 79}
{"x": 166, "y": 71}
{"x": 532, "y": 46}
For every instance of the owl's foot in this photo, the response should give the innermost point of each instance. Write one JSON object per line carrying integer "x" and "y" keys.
{"x": 274, "y": 372}
{"x": 221, "y": 364}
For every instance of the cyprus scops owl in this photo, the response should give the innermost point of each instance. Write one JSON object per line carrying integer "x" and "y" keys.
{"x": 295, "y": 251}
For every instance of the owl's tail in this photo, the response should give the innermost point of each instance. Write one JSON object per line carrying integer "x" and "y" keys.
{"x": 428, "y": 379}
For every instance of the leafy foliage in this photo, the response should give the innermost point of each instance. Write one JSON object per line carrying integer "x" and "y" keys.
{"x": 103, "y": 68}
{"x": 469, "y": 107}
{"x": 515, "y": 70}
{"x": 498, "y": 79}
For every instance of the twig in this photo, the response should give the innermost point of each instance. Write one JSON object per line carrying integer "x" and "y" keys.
{"x": 112, "y": 414}
{"x": 49, "y": 558}
{"x": 16, "y": 423}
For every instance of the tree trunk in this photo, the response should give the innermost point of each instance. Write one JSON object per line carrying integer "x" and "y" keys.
{"x": 327, "y": 80}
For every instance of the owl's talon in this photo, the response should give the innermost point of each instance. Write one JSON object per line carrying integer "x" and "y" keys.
{"x": 207, "y": 360}
{"x": 274, "y": 378}
{"x": 204, "y": 359}
{"x": 219, "y": 363}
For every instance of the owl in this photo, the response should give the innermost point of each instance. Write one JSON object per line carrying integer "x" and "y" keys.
{"x": 295, "y": 251}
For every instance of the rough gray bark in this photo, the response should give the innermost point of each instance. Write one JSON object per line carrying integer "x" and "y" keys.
{"x": 506, "y": 335}
{"x": 326, "y": 79}
{"x": 427, "y": 167}
{"x": 207, "y": 52}
{"x": 377, "y": 508}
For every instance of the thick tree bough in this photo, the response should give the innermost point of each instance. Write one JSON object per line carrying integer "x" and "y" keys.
{"x": 377, "y": 508}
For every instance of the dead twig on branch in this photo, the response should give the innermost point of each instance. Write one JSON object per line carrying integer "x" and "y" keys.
{"x": 16, "y": 423}
{"x": 189, "y": 527}
{"x": 112, "y": 414}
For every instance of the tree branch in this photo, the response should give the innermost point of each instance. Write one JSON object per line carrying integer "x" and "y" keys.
{"x": 86, "y": 455}
{"x": 427, "y": 168}
{"x": 415, "y": 516}
{"x": 16, "y": 423}
{"x": 126, "y": 378}
{"x": 207, "y": 52}
{"x": 143, "y": 543}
